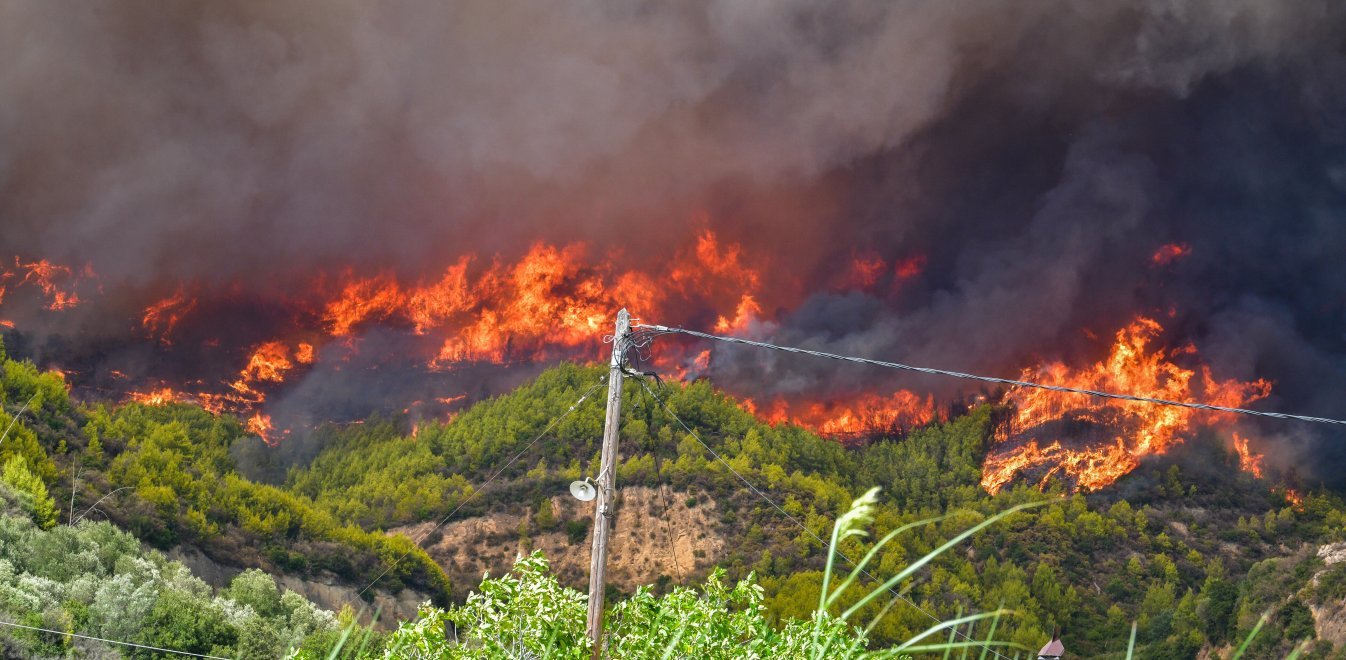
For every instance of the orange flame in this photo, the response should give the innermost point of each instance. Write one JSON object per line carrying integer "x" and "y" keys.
{"x": 161, "y": 318}
{"x": 58, "y": 284}
{"x": 1294, "y": 497}
{"x": 910, "y": 267}
{"x": 552, "y": 298}
{"x": 865, "y": 414}
{"x": 1137, "y": 429}
{"x": 1248, "y": 461}
{"x": 260, "y": 426}
{"x": 158, "y": 397}
{"x": 711, "y": 261}
{"x": 268, "y": 363}
{"x": 1170, "y": 253}
{"x": 362, "y": 300}
{"x": 864, "y": 272}
{"x": 45, "y": 275}
{"x": 747, "y": 311}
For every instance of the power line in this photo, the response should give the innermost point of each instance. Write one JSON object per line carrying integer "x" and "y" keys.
{"x": 656, "y": 330}
{"x": 663, "y": 498}
{"x": 111, "y": 641}
{"x": 796, "y": 521}
{"x": 554, "y": 421}
{"x": 14, "y": 420}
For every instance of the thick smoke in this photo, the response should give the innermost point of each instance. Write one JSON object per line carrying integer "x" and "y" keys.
{"x": 1035, "y": 153}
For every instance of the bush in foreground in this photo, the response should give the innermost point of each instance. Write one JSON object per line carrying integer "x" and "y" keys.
{"x": 527, "y": 613}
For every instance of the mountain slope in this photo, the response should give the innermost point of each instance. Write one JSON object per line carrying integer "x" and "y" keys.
{"x": 1171, "y": 546}
{"x": 1187, "y": 546}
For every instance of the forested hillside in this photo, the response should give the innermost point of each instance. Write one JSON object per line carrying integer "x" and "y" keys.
{"x": 1189, "y": 547}
{"x": 166, "y": 474}
{"x": 95, "y": 579}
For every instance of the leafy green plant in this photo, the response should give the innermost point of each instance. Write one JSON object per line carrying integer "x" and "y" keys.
{"x": 528, "y": 613}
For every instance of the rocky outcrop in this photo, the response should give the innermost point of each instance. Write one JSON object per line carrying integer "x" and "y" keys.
{"x": 1330, "y": 618}
{"x": 656, "y": 532}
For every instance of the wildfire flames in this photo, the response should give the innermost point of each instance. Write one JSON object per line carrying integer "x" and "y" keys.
{"x": 1248, "y": 461}
{"x": 1170, "y": 253}
{"x": 57, "y": 285}
{"x": 158, "y": 397}
{"x": 556, "y": 301}
{"x": 866, "y": 414}
{"x": 1043, "y": 437}
{"x": 161, "y": 318}
{"x": 553, "y": 301}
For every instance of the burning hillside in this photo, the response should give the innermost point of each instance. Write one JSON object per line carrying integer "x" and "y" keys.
{"x": 305, "y": 215}
{"x": 554, "y": 304}
{"x": 1090, "y": 442}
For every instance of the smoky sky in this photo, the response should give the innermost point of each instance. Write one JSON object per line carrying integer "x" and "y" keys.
{"x": 1035, "y": 153}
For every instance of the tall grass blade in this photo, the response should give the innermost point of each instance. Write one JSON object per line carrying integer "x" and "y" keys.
{"x": 953, "y": 633}
{"x": 859, "y": 568}
{"x": 930, "y": 556}
{"x": 910, "y": 643}
{"x": 341, "y": 642}
{"x": 1247, "y": 641}
{"x": 995, "y": 621}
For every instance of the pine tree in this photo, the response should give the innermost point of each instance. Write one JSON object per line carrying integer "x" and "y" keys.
{"x": 17, "y": 475}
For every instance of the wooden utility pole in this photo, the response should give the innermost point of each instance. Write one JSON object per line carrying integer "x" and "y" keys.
{"x": 607, "y": 481}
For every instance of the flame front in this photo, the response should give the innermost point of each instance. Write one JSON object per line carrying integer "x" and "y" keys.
{"x": 59, "y": 285}
{"x": 557, "y": 301}
{"x": 554, "y": 300}
{"x": 865, "y": 414}
{"x": 1037, "y": 440}
{"x": 159, "y": 397}
{"x": 1248, "y": 461}
{"x": 161, "y": 318}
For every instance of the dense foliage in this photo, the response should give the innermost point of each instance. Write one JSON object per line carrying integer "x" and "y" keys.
{"x": 529, "y": 614}
{"x": 1189, "y": 548}
{"x": 1177, "y": 547}
{"x": 176, "y": 460}
{"x": 167, "y": 474}
{"x": 94, "y": 579}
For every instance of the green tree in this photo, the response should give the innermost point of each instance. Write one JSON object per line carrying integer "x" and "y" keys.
{"x": 545, "y": 519}
{"x": 1217, "y": 604}
{"x": 38, "y": 502}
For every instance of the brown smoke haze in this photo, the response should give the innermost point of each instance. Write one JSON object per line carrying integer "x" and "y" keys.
{"x": 1033, "y": 156}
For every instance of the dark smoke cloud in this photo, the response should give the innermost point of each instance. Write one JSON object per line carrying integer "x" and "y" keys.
{"x": 209, "y": 140}
{"x": 1036, "y": 152}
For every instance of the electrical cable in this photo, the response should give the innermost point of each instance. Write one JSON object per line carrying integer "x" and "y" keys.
{"x": 554, "y": 421}
{"x": 659, "y": 486}
{"x": 15, "y": 419}
{"x": 668, "y": 528}
{"x": 111, "y": 641}
{"x": 801, "y": 525}
{"x": 657, "y": 330}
